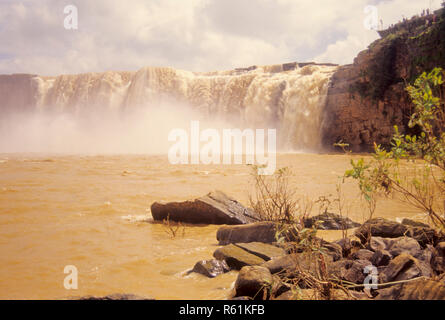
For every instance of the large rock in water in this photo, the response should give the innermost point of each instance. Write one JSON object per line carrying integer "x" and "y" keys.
{"x": 214, "y": 208}
{"x": 257, "y": 232}
{"x": 211, "y": 268}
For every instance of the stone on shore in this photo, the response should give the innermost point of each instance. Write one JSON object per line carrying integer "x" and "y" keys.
{"x": 236, "y": 258}
{"x": 330, "y": 221}
{"x": 380, "y": 227}
{"x": 422, "y": 289}
{"x": 405, "y": 267}
{"x": 254, "y": 282}
{"x": 215, "y": 208}
{"x": 396, "y": 246}
{"x": 257, "y": 232}
{"x": 438, "y": 258}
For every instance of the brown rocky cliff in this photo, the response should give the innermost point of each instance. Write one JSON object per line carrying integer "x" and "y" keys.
{"x": 366, "y": 99}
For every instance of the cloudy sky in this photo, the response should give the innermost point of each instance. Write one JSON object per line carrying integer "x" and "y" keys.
{"x": 197, "y": 35}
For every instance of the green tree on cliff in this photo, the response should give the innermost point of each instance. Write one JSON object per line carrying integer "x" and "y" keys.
{"x": 421, "y": 183}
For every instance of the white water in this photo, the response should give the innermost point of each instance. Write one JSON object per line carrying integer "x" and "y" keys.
{"x": 132, "y": 112}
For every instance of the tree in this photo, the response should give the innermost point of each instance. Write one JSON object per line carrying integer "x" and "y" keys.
{"x": 414, "y": 168}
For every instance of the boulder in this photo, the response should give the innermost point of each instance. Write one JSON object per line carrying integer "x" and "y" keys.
{"x": 422, "y": 289}
{"x": 396, "y": 246}
{"x": 413, "y": 223}
{"x": 214, "y": 208}
{"x": 257, "y": 232}
{"x": 405, "y": 267}
{"x": 330, "y": 221}
{"x": 263, "y": 250}
{"x": 211, "y": 268}
{"x": 381, "y": 258}
{"x": 384, "y": 228}
{"x": 362, "y": 254}
{"x": 332, "y": 249}
{"x": 254, "y": 282}
{"x": 236, "y": 258}
{"x": 291, "y": 266}
{"x": 351, "y": 270}
{"x": 438, "y": 258}
{"x": 380, "y": 227}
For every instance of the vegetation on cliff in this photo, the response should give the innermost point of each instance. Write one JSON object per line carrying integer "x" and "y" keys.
{"x": 424, "y": 186}
{"x": 419, "y": 43}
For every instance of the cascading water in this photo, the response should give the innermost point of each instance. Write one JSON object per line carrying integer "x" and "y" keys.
{"x": 288, "y": 99}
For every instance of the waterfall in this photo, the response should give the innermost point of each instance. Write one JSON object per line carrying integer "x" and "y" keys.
{"x": 287, "y": 97}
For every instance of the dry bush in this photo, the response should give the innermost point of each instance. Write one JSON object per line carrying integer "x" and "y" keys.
{"x": 173, "y": 229}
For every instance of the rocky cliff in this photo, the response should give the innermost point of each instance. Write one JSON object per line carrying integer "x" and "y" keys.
{"x": 366, "y": 99}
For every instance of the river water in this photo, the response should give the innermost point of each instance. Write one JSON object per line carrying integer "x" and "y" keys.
{"x": 93, "y": 212}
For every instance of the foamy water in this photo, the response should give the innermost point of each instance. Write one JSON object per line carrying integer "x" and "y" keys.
{"x": 94, "y": 212}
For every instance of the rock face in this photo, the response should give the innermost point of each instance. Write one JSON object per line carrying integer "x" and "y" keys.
{"x": 256, "y": 232}
{"x": 330, "y": 221}
{"x": 366, "y": 99}
{"x": 214, "y": 208}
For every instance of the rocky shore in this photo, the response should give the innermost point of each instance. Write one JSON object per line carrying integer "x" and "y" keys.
{"x": 383, "y": 260}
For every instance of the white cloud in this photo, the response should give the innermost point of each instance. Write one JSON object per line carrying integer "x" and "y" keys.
{"x": 197, "y": 35}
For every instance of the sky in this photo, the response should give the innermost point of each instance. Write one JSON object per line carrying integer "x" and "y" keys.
{"x": 195, "y": 35}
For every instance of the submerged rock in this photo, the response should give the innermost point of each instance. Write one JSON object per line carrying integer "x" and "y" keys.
{"x": 256, "y": 232}
{"x": 330, "y": 221}
{"x": 211, "y": 268}
{"x": 214, "y": 208}
{"x": 236, "y": 258}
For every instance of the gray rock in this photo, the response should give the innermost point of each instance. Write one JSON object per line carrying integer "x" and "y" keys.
{"x": 362, "y": 254}
{"x": 380, "y": 227}
{"x": 351, "y": 270}
{"x": 236, "y": 258}
{"x": 396, "y": 246}
{"x": 211, "y": 268}
{"x": 381, "y": 258}
{"x": 257, "y": 232}
{"x": 405, "y": 267}
{"x": 214, "y": 208}
{"x": 330, "y": 221}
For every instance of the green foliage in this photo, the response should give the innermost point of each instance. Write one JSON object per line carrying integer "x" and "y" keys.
{"x": 386, "y": 173}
